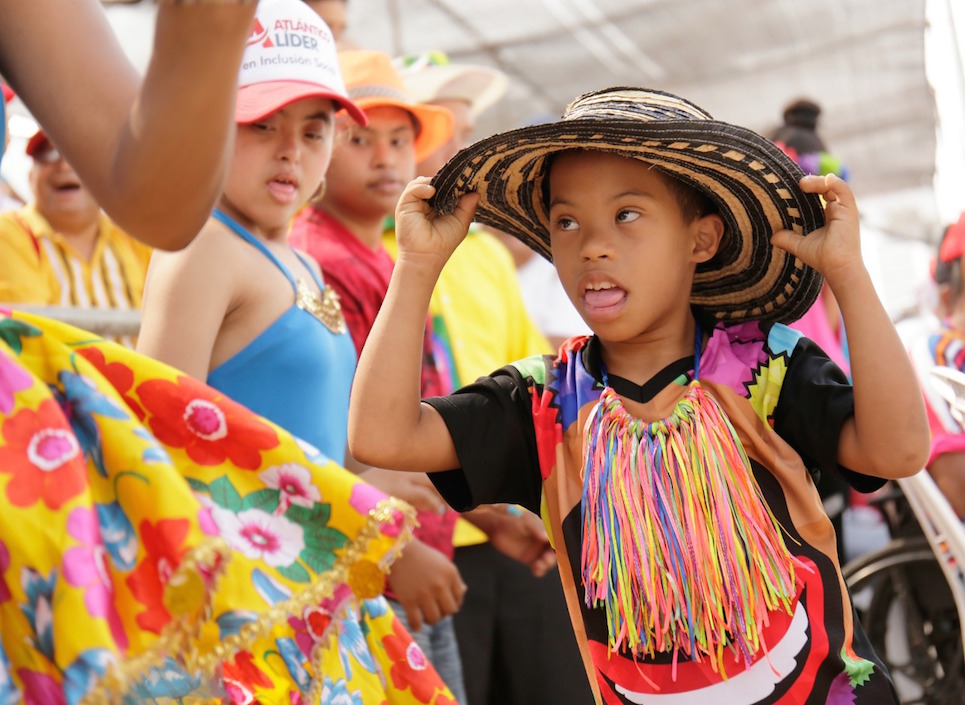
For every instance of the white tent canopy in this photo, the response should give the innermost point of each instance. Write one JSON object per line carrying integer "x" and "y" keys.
{"x": 888, "y": 74}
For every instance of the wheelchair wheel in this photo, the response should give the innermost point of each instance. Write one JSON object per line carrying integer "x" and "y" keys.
{"x": 908, "y": 612}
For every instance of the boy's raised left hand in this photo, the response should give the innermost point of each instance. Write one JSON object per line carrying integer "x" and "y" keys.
{"x": 835, "y": 249}
{"x": 422, "y": 232}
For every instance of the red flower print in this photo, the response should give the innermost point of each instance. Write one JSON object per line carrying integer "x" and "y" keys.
{"x": 42, "y": 454}
{"x": 118, "y": 374}
{"x": 207, "y": 424}
{"x": 242, "y": 676}
{"x": 162, "y": 542}
{"x": 410, "y": 667}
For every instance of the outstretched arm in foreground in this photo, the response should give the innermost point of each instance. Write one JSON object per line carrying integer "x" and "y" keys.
{"x": 888, "y": 434}
{"x": 388, "y": 425}
{"x": 153, "y": 153}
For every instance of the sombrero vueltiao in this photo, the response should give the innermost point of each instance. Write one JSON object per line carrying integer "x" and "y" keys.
{"x": 752, "y": 182}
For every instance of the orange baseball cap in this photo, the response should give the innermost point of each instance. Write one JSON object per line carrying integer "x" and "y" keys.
{"x": 373, "y": 82}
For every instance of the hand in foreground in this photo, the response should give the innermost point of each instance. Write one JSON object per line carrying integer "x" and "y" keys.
{"x": 835, "y": 249}
{"x": 412, "y": 487}
{"x": 426, "y": 584}
{"x": 518, "y": 534}
{"x": 420, "y": 230}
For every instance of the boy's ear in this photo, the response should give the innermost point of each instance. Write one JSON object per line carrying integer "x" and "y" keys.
{"x": 707, "y": 238}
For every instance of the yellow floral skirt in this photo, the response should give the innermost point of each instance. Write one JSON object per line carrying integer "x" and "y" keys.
{"x": 161, "y": 543}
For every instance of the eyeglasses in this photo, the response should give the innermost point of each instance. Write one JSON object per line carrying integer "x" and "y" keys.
{"x": 47, "y": 155}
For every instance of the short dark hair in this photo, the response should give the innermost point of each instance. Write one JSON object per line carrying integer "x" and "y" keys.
{"x": 692, "y": 202}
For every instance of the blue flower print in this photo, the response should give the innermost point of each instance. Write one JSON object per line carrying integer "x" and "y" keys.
{"x": 39, "y": 592}
{"x": 375, "y": 608}
{"x": 9, "y": 693}
{"x": 336, "y": 693}
{"x": 80, "y": 400}
{"x": 351, "y": 642}
{"x": 154, "y": 453}
{"x": 294, "y": 659}
{"x": 118, "y": 536}
{"x": 271, "y": 591}
{"x": 81, "y": 675}
{"x": 169, "y": 680}
{"x": 232, "y": 621}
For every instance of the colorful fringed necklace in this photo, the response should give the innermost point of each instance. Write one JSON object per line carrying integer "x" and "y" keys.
{"x": 679, "y": 548}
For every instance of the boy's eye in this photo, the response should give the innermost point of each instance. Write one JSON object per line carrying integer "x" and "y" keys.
{"x": 566, "y": 224}
{"x": 627, "y": 216}
{"x": 261, "y": 126}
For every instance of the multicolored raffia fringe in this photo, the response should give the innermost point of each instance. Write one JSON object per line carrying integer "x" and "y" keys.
{"x": 679, "y": 547}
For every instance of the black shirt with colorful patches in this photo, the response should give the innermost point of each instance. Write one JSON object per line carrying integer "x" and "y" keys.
{"x": 519, "y": 433}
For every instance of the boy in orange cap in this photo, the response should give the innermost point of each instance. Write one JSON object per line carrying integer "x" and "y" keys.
{"x": 342, "y": 230}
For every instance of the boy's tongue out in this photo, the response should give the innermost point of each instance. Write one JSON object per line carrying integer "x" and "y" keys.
{"x": 602, "y": 298}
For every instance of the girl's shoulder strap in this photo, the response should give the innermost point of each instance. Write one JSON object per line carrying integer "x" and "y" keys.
{"x": 242, "y": 232}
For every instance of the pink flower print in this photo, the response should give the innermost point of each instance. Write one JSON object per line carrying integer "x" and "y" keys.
{"x": 237, "y": 692}
{"x": 365, "y": 497}
{"x": 262, "y": 536}
{"x": 4, "y": 564}
{"x": 40, "y": 689}
{"x": 13, "y": 379}
{"x": 294, "y": 482}
{"x": 85, "y": 566}
{"x": 205, "y": 519}
{"x": 416, "y": 658}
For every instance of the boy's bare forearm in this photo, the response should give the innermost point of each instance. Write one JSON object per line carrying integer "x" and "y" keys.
{"x": 386, "y": 412}
{"x": 889, "y": 434}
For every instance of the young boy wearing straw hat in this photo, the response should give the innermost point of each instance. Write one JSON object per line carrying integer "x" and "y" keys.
{"x": 668, "y": 452}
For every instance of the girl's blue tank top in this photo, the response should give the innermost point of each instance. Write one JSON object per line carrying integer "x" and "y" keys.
{"x": 296, "y": 372}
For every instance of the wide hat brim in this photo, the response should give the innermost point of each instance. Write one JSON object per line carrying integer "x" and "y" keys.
{"x": 753, "y": 183}
{"x": 435, "y": 123}
{"x": 258, "y": 100}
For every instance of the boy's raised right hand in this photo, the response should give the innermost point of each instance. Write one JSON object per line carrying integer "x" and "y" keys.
{"x": 426, "y": 584}
{"x": 421, "y": 232}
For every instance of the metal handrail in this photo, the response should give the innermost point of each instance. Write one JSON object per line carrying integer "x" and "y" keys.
{"x": 940, "y": 523}
{"x": 101, "y": 321}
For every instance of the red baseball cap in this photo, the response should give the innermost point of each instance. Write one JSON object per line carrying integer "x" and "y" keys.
{"x": 290, "y": 56}
{"x": 8, "y": 93}
{"x": 34, "y": 144}
{"x": 953, "y": 242}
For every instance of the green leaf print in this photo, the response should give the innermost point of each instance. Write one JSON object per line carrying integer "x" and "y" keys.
{"x": 265, "y": 500}
{"x": 324, "y": 538}
{"x": 224, "y": 494}
{"x": 317, "y": 561}
{"x": 296, "y": 573}
{"x": 318, "y": 515}
{"x": 198, "y": 486}
{"x": 12, "y": 331}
